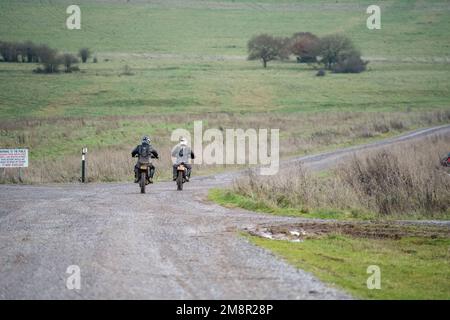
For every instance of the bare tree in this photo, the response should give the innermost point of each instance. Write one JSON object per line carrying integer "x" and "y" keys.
{"x": 49, "y": 58}
{"x": 9, "y": 51}
{"x": 334, "y": 47}
{"x": 12, "y": 51}
{"x": 84, "y": 54}
{"x": 266, "y": 48}
{"x": 4, "y": 51}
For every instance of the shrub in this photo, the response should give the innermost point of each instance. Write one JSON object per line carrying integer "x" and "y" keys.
{"x": 350, "y": 62}
{"x": 321, "y": 73}
{"x": 126, "y": 71}
{"x": 396, "y": 124}
{"x": 381, "y": 127}
{"x": 68, "y": 60}
{"x": 84, "y": 54}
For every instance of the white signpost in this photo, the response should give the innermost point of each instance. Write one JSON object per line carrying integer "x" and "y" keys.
{"x": 13, "y": 158}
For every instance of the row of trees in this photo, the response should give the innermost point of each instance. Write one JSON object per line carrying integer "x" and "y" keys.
{"x": 50, "y": 58}
{"x": 336, "y": 52}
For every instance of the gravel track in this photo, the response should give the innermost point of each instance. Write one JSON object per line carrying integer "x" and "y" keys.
{"x": 161, "y": 245}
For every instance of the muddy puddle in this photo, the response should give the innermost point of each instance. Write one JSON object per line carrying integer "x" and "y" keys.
{"x": 308, "y": 230}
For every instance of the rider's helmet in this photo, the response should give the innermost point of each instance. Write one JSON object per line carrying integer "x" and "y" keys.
{"x": 183, "y": 141}
{"x": 146, "y": 140}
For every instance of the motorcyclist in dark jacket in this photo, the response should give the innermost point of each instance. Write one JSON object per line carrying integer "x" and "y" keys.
{"x": 144, "y": 152}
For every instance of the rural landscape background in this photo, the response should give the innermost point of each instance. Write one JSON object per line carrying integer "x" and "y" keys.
{"x": 186, "y": 61}
{"x": 160, "y": 65}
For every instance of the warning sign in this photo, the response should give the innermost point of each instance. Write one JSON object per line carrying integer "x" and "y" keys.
{"x": 13, "y": 158}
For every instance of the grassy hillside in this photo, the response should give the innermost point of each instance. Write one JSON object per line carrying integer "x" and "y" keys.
{"x": 409, "y": 28}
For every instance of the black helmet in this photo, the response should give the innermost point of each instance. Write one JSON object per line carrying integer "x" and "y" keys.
{"x": 146, "y": 140}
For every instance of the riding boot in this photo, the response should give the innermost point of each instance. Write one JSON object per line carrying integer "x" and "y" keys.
{"x": 151, "y": 172}
{"x": 174, "y": 177}
{"x": 188, "y": 174}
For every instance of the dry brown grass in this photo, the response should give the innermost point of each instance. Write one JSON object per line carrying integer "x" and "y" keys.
{"x": 407, "y": 178}
{"x": 55, "y": 143}
{"x": 402, "y": 180}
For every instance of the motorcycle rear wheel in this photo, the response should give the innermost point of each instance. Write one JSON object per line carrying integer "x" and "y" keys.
{"x": 180, "y": 180}
{"x": 142, "y": 182}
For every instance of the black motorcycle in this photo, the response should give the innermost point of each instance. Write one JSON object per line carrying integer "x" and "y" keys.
{"x": 144, "y": 175}
{"x": 145, "y": 171}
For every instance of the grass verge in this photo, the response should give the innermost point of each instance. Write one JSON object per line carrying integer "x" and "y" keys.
{"x": 230, "y": 199}
{"x": 411, "y": 268}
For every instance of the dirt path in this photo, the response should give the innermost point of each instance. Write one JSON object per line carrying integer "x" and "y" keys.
{"x": 161, "y": 245}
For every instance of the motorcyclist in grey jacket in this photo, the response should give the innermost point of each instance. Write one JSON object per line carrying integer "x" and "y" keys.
{"x": 145, "y": 152}
{"x": 182, "y": 153}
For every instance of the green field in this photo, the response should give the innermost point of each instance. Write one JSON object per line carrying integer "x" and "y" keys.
{"x": 167, "y": 86}
{"x": 409, "y": 28}
{"x": 190, "y": 57}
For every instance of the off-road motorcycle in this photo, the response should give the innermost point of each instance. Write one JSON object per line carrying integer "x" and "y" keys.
{"x": 181, "y": 176}
{"x": 144, "y": 175}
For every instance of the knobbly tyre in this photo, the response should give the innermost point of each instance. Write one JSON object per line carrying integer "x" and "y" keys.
{"x": 181, "y": 176}
{"x": 181, "y": 156}
{"x": 144, "y": 169}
